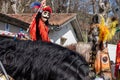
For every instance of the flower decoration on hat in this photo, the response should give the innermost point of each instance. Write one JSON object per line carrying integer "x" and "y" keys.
{"x": 35, "y": 4}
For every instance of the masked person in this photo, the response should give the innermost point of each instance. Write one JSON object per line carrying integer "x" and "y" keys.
{"x": 39, "y": 26}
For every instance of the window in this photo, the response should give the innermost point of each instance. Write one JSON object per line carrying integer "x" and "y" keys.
{"x": 7, "y": 27}
{"x": 21, "y": 30}
{"x": 63, "y": 40}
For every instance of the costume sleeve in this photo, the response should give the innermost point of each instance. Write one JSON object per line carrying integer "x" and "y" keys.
{"x": 32, "y": 31}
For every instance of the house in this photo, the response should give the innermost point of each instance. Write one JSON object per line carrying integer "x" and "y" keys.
{"x": 9, "y": 26}
{"x": 64, "y": 27}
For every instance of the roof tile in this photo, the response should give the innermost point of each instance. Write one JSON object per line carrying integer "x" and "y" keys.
{"x": 55, "y": 19}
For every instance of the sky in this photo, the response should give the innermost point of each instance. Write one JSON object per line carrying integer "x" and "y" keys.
{"x": 113, "y": 2}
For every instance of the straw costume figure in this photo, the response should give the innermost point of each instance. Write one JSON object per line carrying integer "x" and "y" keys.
{"x": 102, "y": 30}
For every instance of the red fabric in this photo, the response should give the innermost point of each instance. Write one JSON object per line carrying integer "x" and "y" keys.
{"x": 47, "y": 8}
{"x": 117, "y": 59}
{"x": 43, "y": 31}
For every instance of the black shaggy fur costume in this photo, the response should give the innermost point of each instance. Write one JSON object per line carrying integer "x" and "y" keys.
{"x": 27, "y": 60}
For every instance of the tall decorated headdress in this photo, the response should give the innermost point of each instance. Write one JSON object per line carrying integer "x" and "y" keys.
{"x": 35, "y": 4}
{"x": 47, "y": 8}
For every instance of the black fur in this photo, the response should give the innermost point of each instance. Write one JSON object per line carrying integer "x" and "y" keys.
{"x": 27, "y": 60}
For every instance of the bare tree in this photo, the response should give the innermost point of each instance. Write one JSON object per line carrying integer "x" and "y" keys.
{"x": 116, "y": 8}
{"x": 118, "y": 2}
{"x": 17, "y": 6}
{"x": 52, "y": 4}
{"x": 94, "y": 6}
{"x": 5, "y": 6}
{"x": 68, "y": 6}
{"x": 104, "y": 7}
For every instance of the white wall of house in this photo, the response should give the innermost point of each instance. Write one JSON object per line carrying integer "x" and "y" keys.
{"x": 112, "y": 51}
{"x": 2, "y": 26}
{"x": 66, "y": 33}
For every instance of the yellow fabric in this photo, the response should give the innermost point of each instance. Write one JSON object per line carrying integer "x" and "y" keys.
{"x": 107, "y": 31}
{"x": 112, "y": 28}
{"x": 102, "y": 20}
{"x": 104, "y": 32}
